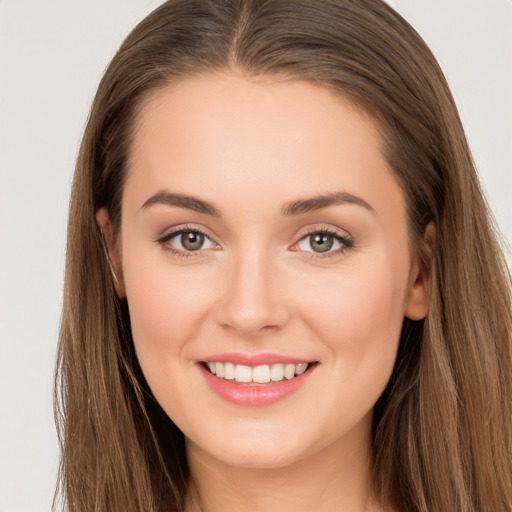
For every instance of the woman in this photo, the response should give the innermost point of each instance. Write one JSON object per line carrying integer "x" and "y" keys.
{"x": 283, "y": 289}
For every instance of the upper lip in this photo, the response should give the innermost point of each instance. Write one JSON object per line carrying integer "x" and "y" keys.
{"x": 253, "y": 359}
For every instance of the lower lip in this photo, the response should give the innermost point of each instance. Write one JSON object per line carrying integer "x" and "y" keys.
{"x": 254, "y": 395}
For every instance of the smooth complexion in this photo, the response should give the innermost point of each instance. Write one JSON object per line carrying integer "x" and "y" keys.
{"x": 235, "y": 163}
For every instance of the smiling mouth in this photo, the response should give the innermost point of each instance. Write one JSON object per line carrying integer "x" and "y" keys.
{"x": 262, "y": 374}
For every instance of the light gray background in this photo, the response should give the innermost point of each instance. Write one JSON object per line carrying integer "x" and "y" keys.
{"x": 52, "y": 54}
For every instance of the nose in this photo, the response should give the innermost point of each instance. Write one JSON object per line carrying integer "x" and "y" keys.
{"x": 252, "y": 300}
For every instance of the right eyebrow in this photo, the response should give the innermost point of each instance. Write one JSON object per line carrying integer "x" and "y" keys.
{"x": 181, "y": 201}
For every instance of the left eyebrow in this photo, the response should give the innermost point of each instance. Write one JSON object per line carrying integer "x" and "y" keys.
{"x": 311, "y": 204}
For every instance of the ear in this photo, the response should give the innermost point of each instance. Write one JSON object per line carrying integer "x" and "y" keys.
{"x": 416, "y": 305}
{"x": 111, "y": 251}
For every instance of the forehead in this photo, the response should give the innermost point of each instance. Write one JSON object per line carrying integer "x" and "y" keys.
{"x": 208, "y": 107}
{"x": 285, "y": 138}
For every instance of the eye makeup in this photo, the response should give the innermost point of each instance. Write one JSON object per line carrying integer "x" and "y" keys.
{"x": 317, "y": 242}
{"x": 324, "y": 242}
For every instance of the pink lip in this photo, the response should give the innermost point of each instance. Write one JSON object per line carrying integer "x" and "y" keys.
{"x": 250, "y": 394}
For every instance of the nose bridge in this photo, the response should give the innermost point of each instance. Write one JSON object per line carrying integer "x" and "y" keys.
{"x": 252, "y": 299}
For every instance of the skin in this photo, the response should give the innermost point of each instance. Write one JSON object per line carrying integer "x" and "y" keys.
{"x": 250, "y": 148}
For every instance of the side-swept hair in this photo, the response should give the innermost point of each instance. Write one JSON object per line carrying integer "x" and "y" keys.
{"x": 442, "y": 434}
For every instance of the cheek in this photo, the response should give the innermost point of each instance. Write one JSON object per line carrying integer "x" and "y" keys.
{"x": 167, "y": 306}
{"x": 358, "y": 316}
{"x": 358, "y": 305}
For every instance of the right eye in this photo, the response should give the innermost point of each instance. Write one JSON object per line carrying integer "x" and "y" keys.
{"x": 184, "y": 241}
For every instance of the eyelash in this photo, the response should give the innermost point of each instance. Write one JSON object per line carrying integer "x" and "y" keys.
{"x": 163, "y": 241}
{"x": 346, "y": 241}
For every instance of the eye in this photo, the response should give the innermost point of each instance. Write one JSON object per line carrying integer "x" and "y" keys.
{"x": 324, "y": 241}
{"x": 186, "y": 241}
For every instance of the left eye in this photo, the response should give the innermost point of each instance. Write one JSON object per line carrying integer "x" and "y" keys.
{"x": 189, "y": 241}
{"x": 321, "y": 242}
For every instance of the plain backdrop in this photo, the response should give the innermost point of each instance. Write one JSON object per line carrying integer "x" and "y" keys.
{"x": 52, "y": 54}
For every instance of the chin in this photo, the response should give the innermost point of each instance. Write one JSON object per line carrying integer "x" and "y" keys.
{"x": 249, "y": 449}
{"x": 251, "y": 458}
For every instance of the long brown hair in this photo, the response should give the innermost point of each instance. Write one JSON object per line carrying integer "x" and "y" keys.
{"x": 442, "y": 438}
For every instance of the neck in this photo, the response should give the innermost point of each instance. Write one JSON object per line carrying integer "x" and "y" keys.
{"x": 334, "y": 478}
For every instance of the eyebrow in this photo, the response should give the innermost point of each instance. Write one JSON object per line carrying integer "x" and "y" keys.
{"x": 182, "y": 201}
{"x": 298, "y": 207}
{"x": 311, "y": 204}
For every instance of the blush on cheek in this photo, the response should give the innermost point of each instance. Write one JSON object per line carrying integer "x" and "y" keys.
{"x": 166, "y": 308}
{"x": 371, "y": 304}
{"x": 361, "y": 321}
{"x": 155, "y": 313}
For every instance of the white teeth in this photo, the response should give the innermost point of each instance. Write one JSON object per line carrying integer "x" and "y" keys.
{"x": 300, "y": 368}
{"x": 242, "y": 373}
{"x": 289, "y": 371}
{"x": 219, "y": 369}
{"x": 277, "y": 372}
{"x": 229, "y": 371}
{"x": 259, "y": 374}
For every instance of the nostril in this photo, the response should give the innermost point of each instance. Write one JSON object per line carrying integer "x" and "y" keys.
{"x": 252, "y": 316}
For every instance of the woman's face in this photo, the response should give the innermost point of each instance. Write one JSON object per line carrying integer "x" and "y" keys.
{"x": 262, "y": 228}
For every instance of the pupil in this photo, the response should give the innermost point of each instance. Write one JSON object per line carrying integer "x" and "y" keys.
{"x": 192, "y": 241}
{"x": 321, "y": 242}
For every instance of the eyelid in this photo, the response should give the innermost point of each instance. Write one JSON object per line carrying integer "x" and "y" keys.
{"x": 343, "y": 236}
{"x": 174, "y": 230}
{"x": 170, "y": 233}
